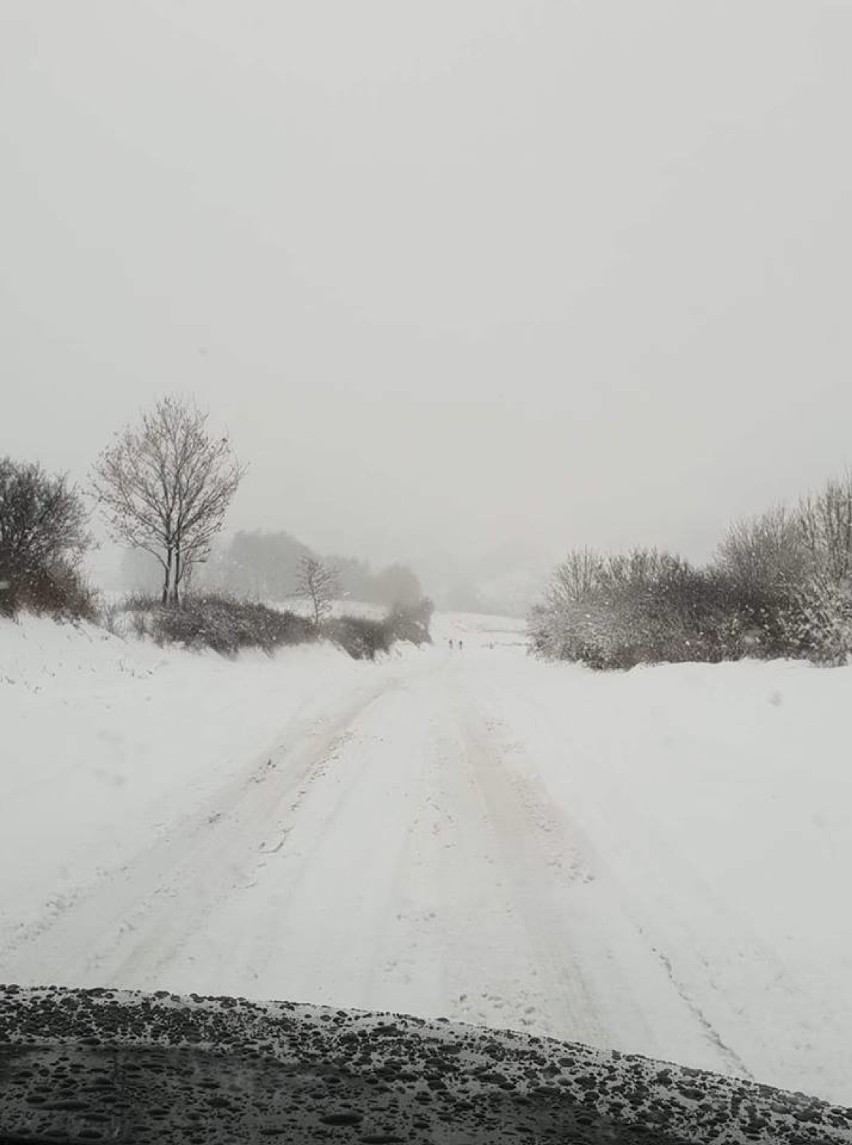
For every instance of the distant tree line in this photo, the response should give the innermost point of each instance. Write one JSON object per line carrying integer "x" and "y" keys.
{"x": 270, "y": 566}
{"x": 779, "y": 585}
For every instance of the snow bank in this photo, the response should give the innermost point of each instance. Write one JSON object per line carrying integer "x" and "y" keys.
{"x": 107, "y": 742}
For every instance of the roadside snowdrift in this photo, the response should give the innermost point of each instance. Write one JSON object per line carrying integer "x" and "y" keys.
{"x": 106, "y": 743}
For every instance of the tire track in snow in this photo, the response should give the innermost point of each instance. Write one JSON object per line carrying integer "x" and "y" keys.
{"x": 632, "y": 908}
{"x": 539, "y": 861}
{"x": 314, "y": 924}
{"x": 734, "y": 1061}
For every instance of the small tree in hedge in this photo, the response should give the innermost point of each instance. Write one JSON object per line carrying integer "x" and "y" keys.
{"x": 317, "y": 583}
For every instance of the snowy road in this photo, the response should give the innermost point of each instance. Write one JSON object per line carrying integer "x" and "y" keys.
{"x": 466, "y": 835}
{"x": 381, "y": 853}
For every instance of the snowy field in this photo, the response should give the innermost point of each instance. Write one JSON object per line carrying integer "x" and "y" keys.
{"x": 654, "y": 861}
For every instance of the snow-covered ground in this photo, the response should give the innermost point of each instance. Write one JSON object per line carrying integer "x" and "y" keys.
{"x": 653, "y": 861}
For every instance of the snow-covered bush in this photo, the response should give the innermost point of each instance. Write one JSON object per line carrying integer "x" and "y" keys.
{"x": 60, "y": 591}
{"x": 43, "y": 535}
{"x": 411, "y": 621}
{"x": 364, "y": 637}
{"x": 651, "y": 607}
{"x": 360, "y": 636}
{"x": 823, "y": 620}
{"x": 780, "y": 585}
{"x": 219, "y": 622}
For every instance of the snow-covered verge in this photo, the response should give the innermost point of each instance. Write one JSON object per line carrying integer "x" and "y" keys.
{"x": 710, "y": 809}
{"x": 111, "y": 1065}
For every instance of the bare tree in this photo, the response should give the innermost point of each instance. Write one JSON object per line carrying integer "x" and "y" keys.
{"x": 317, "y": 583}
{"x": 559, "y": 626}
{"x": 767, "y": 552}
{"x": 825, "y": 525}
{"x": 42, "y": 531}
{"x": 165, "y": 487}
{"x": 578, "y": 575}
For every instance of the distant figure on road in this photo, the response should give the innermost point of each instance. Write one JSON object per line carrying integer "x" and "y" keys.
{"x": 451, "y": 644}
{"x": 461, "y": 645}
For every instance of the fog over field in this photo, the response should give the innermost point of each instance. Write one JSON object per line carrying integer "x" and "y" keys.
{"x": 504, "y": 276}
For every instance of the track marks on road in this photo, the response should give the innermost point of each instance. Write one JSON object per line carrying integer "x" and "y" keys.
{"x": 129, "y": 924}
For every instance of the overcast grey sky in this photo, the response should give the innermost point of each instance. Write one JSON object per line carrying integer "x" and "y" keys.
{"x": 453, "y": 273}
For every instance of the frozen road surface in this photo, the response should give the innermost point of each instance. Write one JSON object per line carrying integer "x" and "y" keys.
{"x": 652, "y": 862}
